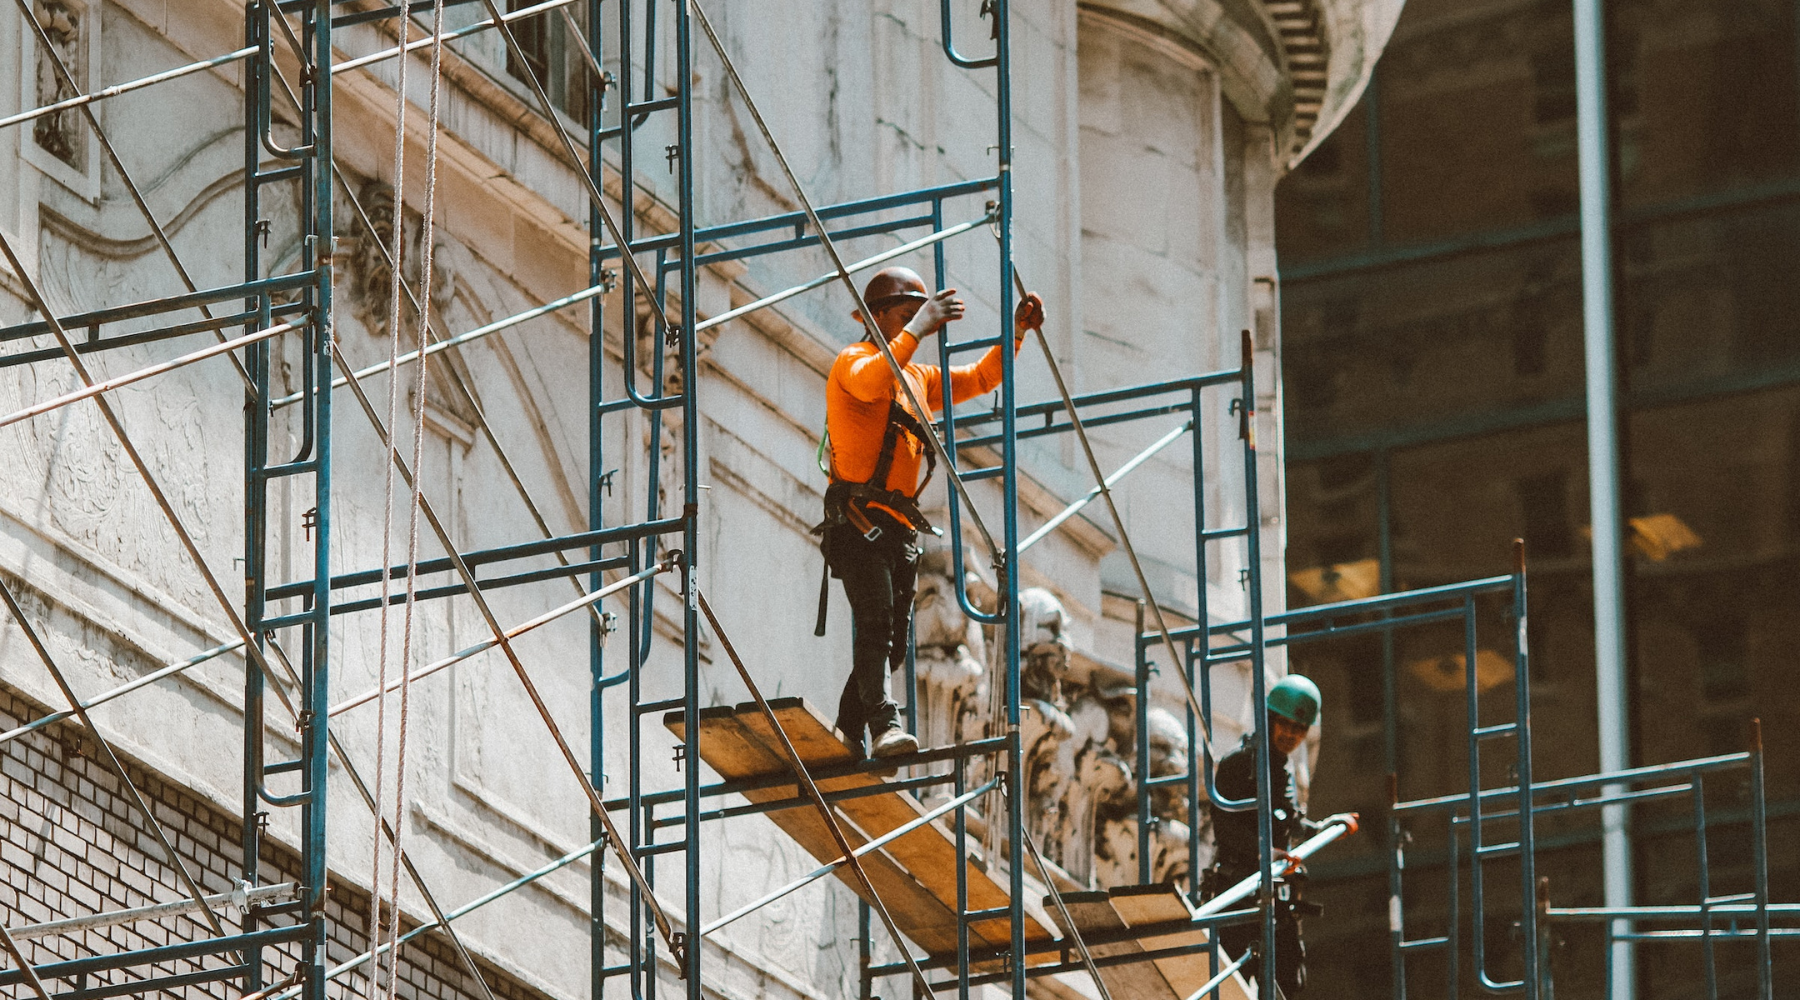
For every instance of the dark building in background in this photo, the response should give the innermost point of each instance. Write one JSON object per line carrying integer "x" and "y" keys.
{"x": 1431, "y": 297}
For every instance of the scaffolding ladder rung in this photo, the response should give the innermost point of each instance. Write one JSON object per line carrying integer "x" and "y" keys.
{"x": 1502, "y": 729}
{"x": 651, "y": 850}
{"x": 1423, "y": 944}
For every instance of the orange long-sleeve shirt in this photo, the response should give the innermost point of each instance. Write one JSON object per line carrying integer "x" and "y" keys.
{"x": 856, "y": 407}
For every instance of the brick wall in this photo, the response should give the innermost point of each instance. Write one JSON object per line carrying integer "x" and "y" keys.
{"x": 71, "y": 843}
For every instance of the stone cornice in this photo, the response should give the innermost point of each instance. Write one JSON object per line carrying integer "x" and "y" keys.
{"x": 1295, "y": 65}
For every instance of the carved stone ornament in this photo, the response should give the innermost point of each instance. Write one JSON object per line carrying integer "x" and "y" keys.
{"x": 1080, "y": 801}
{"x": 62, "y": 134}
{"x": 372, "y": 280}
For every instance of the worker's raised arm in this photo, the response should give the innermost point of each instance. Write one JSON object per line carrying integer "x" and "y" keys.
{"x": 868, "y": 377}
{"x": 969, "y": 381}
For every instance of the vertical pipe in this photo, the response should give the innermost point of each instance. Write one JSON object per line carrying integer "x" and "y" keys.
{"x": 1396, "y": 912}
{"x": 1528, "y": 883}
{"x": 1759, "y": 860}
{"x": 1453, "y": 865}
{"x": 865, "y": 982}
{"x": 1603, "y": 464}
{"x": 1384, "y": 551}
{"x": 256, "y": 416}
{"x": 690, "y": 446}
{"x": 643, "y": 942}
{"x": 316, "y": 119}
{"x": 1472, "y": 709}
{"x": 596, "y": 113}
{"x": 1009, "y": 596}
{"x": 1141, "y": 750}
{"x": 1194, "y": 763}
{"x": 1265, "y": 835}
{"x": 1390, "y": 698}
{"x": 1708, "y": 952}
{"x": 962, "y": 880}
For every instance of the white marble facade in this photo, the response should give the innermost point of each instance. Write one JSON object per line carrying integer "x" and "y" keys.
{"x": 1148, "y": 138}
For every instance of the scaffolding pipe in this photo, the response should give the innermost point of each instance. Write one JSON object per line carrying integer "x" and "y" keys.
{"x": 826, "y": 279}
{"x": 121, "y": 690}
{"x": 826, "y": 869}
{"x": 119, "y": 382}
{"x": 456, "y": 341}
{"x": 588, "y": 293}
{"x": 241, "y": 898}
{"x": 1111, "y": 481}
{"x": 456, "y": 914}
{"x": 126, "y": 88}
{"x": 389, "y": 53}
{"x": 1224, "y": 974}
{"x": 1613, "y": 694}
{"x": 1335, "y": 827}
{"x": 249, "y": 50}
{"x": 510, "y": 634}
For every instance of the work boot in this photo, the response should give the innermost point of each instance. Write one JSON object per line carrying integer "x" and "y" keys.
{"x": 895, "y": 742}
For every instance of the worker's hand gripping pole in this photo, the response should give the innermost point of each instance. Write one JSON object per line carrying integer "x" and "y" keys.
{"x": 1336, "y": 827}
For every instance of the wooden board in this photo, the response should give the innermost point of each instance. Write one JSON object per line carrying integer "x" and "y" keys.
{"x": 1093, "y": 913}
{"x": 1146, "y": 905}
{"x": 917, "y": 879}
{"x": 928, "y": 853}
{"x": 734, "y": 753}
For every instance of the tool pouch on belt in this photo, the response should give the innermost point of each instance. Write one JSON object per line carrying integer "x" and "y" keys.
{"x": 847, "y": 503}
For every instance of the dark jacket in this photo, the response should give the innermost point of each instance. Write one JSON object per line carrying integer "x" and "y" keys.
{"x": 1235, "y": 832}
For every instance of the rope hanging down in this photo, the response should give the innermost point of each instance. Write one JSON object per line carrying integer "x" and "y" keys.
{"x": 362, "y": 790}
{"x": 396, "y": 279}
{"x": 665, "y": 927}
{"x": 658, "y": 912}
{"x": 419, "y": 396}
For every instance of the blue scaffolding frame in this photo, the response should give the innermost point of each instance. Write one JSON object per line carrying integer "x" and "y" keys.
{"x": 641, "y": 548}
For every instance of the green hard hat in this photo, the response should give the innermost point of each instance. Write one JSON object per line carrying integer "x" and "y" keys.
{"x": 1296, "y": 699}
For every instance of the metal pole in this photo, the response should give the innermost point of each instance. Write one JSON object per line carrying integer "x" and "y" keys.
{"x": 1603, "y": 464}
{"x": 596, "y": 112}
{"x": 690, "y": 463}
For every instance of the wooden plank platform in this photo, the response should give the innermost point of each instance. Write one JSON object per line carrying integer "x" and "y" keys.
{"x": 1174, "y": 977}
{"x": 1093, "y": 913}
{"x": 914, "y": 875}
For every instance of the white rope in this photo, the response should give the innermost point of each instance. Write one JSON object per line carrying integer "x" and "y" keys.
{"x": 395, "y": 281}
{"x": 426, "y": 237}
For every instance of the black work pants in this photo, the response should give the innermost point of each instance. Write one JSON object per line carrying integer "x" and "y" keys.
{"x": 1290, "y": 952}
{"x": 880, "y": 578}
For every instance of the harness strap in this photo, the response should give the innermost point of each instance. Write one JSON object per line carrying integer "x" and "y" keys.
{"x": 900, "y": 420}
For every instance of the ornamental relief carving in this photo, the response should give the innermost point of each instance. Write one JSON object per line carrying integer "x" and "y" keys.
{"x": 371, "y": 292}
{"x": 1077, "y": 728}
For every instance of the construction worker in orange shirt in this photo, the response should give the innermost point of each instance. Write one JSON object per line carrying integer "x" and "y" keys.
{"x": 872, "y": 517}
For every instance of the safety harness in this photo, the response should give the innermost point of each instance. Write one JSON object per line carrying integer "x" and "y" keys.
{"x": 847, "y": 502}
